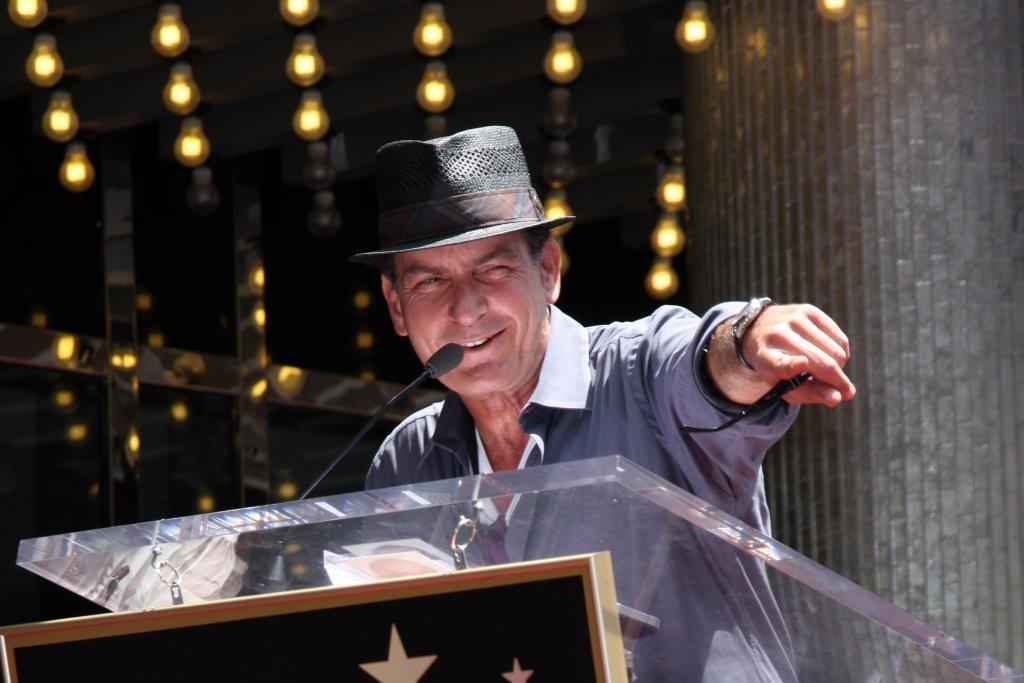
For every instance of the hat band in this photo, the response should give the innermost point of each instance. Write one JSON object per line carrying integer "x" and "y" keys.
{"x": 450, "y": 215}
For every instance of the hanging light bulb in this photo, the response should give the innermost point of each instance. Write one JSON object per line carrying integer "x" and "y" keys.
{"x": 432, "y": 36}
{"x": 694, "y": 32}
{"x": 202, "y": 196}
{"x": 362, "y": 300}
{"x": 63, "y": 397}
{"x": 318, "y": 174}
{"x": 661, "y": 281}
{"x": 65, "y": 349}
{"x": 192, "y": 148}
{"x": 324, "y": 219}
{"x": 169, "y": 36}
{"x": 44, "y": 65}
{"x": 60, "y": 122}
{"x": 556, "y": 205}
{"x": 132, "y": 445}
{"x": 77, "y": 432}
{"x": 257, "y": 279}
{"x": 562, "y": 63}
{"x": 143, "y": 300}
{"x": 27, "y": 13}
{"x": 435, "y": 92}
{"x": 305, "y": 64}
{"x": 179, "y": 411}
{"x": 258, "y": 388}
{"x": 364, "y": 340}
{"x": 205, "y": 503}
{"x": 671, "y": 192}
{"x": 566, "y": 12}
{"x": 76, "y": 171}
{"x": 123, "y": 357}
{"x": 835, "y": 10}
{"x": 299, "y": 12}
{"x": 288, "y": 381}
{"x": 38, "y": 318}
{"x": 181, "y": 94}
{"x": 311, "y": 120}
{"x": 668, "y": 238}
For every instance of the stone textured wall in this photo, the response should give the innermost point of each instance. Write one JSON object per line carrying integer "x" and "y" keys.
{"x": 873, "y": 167}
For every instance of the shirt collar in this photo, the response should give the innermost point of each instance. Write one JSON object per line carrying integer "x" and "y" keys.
{"x": 564, "y": 380}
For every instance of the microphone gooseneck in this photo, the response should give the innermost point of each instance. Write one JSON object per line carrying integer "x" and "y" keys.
{"x": 442, "y": 362}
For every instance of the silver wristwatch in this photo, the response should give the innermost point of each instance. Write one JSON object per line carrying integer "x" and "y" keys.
{"x": 742, "y": 322}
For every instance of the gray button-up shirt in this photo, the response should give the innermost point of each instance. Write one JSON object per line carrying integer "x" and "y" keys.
{"x": 625, "y": 389}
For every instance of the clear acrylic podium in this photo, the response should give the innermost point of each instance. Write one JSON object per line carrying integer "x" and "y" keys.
{"x": 702, "y": 596}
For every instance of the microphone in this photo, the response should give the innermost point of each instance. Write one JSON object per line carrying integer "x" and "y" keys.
{"x": 444, "y": 360}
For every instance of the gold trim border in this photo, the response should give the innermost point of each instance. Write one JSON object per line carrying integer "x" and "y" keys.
{"x": 595, "y": 570}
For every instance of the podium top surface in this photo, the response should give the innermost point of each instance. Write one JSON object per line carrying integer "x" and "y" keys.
{"x": 701, "y": 592}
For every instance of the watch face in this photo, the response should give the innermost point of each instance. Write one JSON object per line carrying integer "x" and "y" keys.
{"x": 748, "y": 314}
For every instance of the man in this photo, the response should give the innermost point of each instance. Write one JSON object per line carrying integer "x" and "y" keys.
{"x": 466, "y": 258}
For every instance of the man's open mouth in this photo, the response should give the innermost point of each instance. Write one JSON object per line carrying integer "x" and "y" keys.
{"x": 477, "y": 343}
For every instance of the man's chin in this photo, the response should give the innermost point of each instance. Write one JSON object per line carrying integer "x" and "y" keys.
{"x": 474, "y": 382}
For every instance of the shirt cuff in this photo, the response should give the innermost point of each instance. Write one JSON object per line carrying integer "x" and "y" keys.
{"x": 705, "y": 385}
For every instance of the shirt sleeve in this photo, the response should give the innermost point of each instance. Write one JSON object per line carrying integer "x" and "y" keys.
{"x": 383, "y": 472}
{"x": 681, "y": 393}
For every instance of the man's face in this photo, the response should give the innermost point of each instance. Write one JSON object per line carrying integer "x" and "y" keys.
{"x": 489, "y": 296}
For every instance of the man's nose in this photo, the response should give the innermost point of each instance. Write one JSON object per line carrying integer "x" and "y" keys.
{"x": 467, "y": 303}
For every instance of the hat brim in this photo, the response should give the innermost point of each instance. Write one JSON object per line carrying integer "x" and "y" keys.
{"x": 473, "y": 234}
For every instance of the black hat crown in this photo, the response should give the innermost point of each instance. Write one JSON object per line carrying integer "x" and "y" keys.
{"x": 459, "y": 188}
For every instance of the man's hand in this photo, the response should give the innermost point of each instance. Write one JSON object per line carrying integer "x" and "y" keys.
{"x": 784, "y": 341}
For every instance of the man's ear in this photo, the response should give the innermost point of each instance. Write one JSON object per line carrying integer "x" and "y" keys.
{"x": 551, "y": 269}
{"x": 394, "y": 305}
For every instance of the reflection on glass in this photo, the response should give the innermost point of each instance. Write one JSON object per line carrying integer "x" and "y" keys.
{"x": 302, "y": 442}
{"x": 51, "y": 463}
{"x": 187, "y": 460}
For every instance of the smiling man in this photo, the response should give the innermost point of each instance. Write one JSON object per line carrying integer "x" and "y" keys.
{"x": 466, "y": 257}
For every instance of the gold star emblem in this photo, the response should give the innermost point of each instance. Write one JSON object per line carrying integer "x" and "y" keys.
{"x": 517, "y": 675}
{"x": 398, "y": 667}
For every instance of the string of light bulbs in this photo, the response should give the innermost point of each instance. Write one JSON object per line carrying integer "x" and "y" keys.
{"x": 45, "y": 69}
{"x": 668, "y": 238}
{"x": 435, "y": 92}
{"x": 171, "y": 39}
{"x": 562, "y": 65}
{"x": 305, "y": 67}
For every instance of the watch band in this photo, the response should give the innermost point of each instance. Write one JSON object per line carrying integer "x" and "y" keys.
{"x": 742, "y": 323}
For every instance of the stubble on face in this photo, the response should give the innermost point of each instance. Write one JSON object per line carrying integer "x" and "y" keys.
{"x": 487, "y": 295}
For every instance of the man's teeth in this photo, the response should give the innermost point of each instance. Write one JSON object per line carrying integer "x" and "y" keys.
{"x": 477, "y": 342}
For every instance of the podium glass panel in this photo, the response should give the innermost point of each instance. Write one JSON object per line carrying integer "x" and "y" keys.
{"x": 702, "y": 596}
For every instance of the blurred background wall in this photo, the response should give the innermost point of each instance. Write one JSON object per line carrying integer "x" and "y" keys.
{"x": 875, "y": 167}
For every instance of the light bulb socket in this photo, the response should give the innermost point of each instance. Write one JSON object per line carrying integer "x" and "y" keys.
{"x": 435, "y": 126}
{"x": 305, "y": 40}
{"x": 181, "y": 70}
